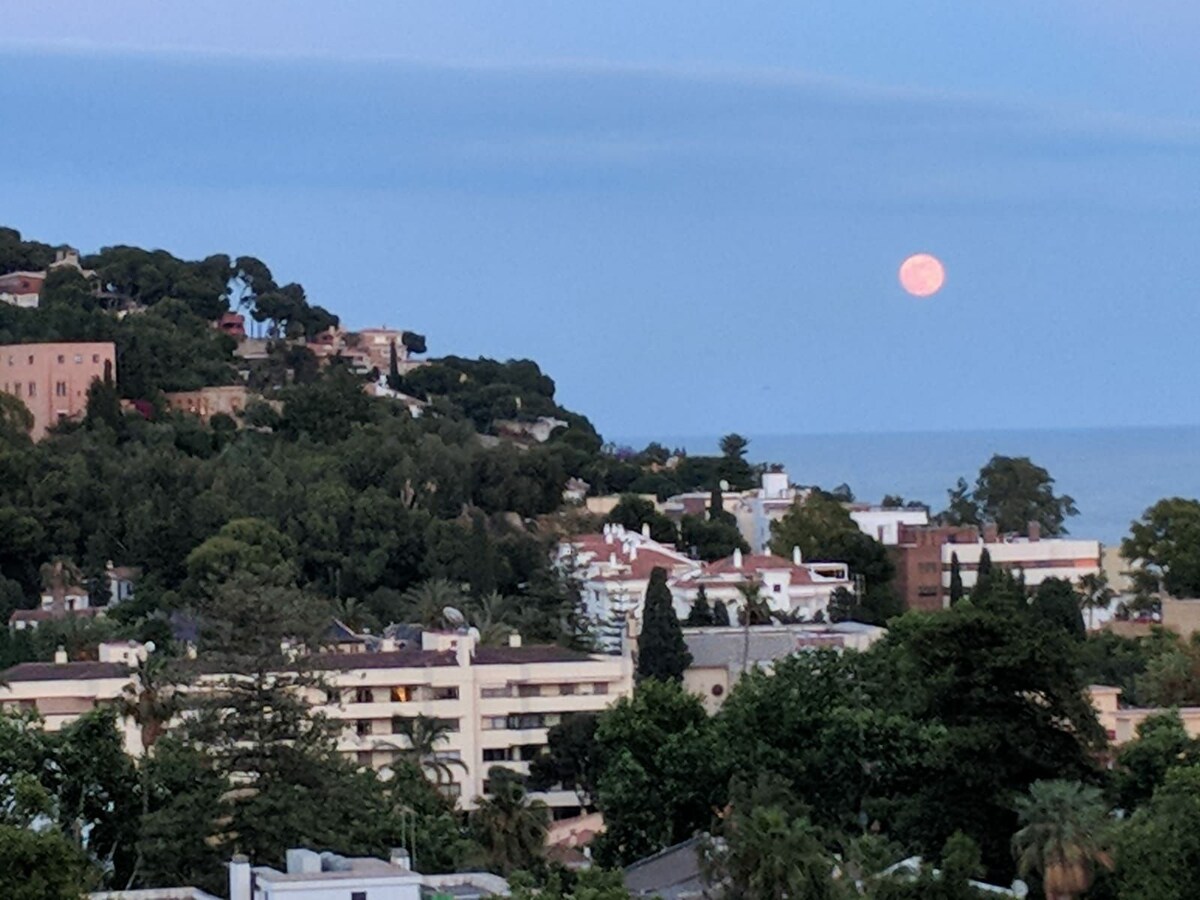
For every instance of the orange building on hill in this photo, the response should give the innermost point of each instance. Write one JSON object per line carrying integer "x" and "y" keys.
{"x": 52, "y": 380}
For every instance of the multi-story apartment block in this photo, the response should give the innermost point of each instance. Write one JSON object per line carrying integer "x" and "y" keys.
{"x": 497, "y": 703}
{"x": 924, "y": 557}
{"x": 52, "y": 380}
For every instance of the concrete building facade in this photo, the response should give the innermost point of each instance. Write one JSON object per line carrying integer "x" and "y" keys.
{"x": 497, "y": 703}
{"x": 52, "y": 379}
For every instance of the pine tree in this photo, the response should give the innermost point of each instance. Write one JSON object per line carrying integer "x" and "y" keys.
{"x": 662, "y": 653}
{"x": 956, "y": 584}
{"x": 720, "y": 615}
{"x": 701, "y": 614}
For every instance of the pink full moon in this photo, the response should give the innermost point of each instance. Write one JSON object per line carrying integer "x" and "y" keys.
{"x": 922, "y": 275}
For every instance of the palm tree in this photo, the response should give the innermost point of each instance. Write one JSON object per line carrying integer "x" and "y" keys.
{"x": 427, "y": 601}
{"x": 423, "y": 735}
{"x": 351, "y": 612}
{"x": 1094, "y": 593}
{"x": 1064, "y": 834}
{"x": 488, "y": 615}
{"x": 769, "y": 855}
{"x": 508, "y": 825}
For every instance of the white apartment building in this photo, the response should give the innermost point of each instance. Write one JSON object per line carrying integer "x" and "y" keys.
{"x": 789, "y": 586}
{"x": 614, "y": 568}
{"x": 1036, "y": 559}
{"x": 497, "y": 702}
{"x": 884, "y": 524}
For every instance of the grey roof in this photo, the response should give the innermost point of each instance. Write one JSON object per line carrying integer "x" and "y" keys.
{"x": 727, "y": 647}
{"x": 69, "y": 671}
{"x": 671, "y": 874}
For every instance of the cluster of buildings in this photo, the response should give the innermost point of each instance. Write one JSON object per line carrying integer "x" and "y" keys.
{"x": 66, "y": 600}
{"x": 613, "y": 569}
{"x": 614, "y": 566}
{"x": 24, "y": 289}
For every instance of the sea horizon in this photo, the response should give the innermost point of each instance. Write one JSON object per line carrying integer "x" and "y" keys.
{"x": 1114, "y": 473}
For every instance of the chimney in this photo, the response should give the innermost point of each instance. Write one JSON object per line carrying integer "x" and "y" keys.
{"x": 612, "y": 559}
{"x": 797, "y": 559}
{"x": 646, "y": 530}
{"x": 400, "y": 859}
{"x": 737, "y": 558}
{"x": 1035, "y": 531}
{"x": 239, "y": 878}
{"x": 633, "y": 552}
{"x": 514, "y": 639}
{"x": 991, "y": 534}
{"x": 60, "y": 655}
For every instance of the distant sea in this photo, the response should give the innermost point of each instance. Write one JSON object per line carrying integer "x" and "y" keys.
{"x": 1114, "y": 474}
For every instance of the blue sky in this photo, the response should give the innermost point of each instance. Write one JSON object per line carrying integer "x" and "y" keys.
{"x": 690, "y": 213}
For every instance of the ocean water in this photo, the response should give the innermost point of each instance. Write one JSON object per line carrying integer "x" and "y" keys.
{"x": 1113, "y": 474}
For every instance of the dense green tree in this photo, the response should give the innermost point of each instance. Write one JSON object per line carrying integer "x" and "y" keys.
{"x": 509, "y": 826}
{"x": 823, "y": 530}
{"x": 721, "y": 615}
{"x": 1011, "y": 492}
{"x": 1162, "y": 744}
{"x": 658, "y": 772}
{"x": 588, "y": 884}
{"x": 568, "y": 761}
{"x": 1172, "y": 676}
{"x": 1165, "y": 543}
{"x": 662, "y": 652}
{"x": 771, "y": 855}
{"x": 711, "y": 539}
{"x": 1006, "y": 693}
{"x": 1158, "y": 852}
{"x": 733, "y": 467}
{"x": 41, "y": 866}
{"x": 956, "y": 582}
{"x": 1055, "y": 603}
{"x": 632, "y": 512}
{"x": 701, "y": 614}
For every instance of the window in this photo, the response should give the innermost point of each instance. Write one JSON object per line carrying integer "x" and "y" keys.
{"x": 717, "y": 690}
{"x": 363, "y": 695}
{"x": 488, "y": 692}
{"x": 445, "y": 693}
{"x": 600, "y": 687}
{"x": 33, "y": 389}
{"x": 95, "y": 357}
{"x": 566, "y": 690}
{"x": 333, "y": 695}
{"x": 529, "y": 690}
{"x": 358, "y": 895}
{"x": 529, "y": 752}
{"x": 60, "y": 389}
{"x": 776, "y": 588}
{"x": 451, "y": 725}
{"x": 61, "y": 359}
{"x": 362, "y": 727}
{"x": 495, "y": 754}
{"x": 495, "y": 723}
{"x": 31, "y": 360}
{"x": 17, "y": 389}
{"x": 363, "y": 757}
{"x": 402, "y": 693}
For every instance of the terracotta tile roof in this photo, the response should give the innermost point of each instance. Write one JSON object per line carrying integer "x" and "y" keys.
{"x": 753, "y": 565}
{"x": 71, "y": 671}
{"x": 648, "y": 556}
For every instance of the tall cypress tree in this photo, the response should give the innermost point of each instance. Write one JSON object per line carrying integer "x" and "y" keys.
{"x": 956, "y": 585}
{"x": 720, "y": 614}
{"x": 393, "y": 379}
{"x": 662, "y": 653}
{"x": 701, "y": 614}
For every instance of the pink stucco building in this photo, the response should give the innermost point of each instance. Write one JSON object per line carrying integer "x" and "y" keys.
{"x": 52, "y": 380}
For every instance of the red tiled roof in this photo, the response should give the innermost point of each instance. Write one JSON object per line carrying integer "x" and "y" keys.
{"x": 753, "y": 564}
{"x": 648, "y": 557}
{"x": 71, "y": 671}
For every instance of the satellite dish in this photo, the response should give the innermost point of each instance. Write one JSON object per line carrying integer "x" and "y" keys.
{"x": 724, "y": 485}
{"x": 454, "y": 616}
